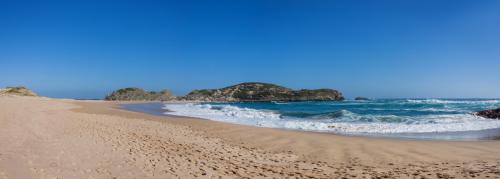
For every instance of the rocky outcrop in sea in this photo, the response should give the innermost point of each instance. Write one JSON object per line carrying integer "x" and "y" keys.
{"x": 361, "y": 99}
{"x": 492, "y": 114}
{"x": 262, "y": 92}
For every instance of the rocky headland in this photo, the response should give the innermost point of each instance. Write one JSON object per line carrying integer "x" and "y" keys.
{"x": 262, "y": 92}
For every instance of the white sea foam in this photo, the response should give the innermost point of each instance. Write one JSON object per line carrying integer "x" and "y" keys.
{"x": 224, "y": 113}
{"x": 442, "y": 101}
{"x": 419, "y": 109}
{"x": 276, "y": 102}
{"x": 348, "y": 123}
{"x": 435, "y": 110}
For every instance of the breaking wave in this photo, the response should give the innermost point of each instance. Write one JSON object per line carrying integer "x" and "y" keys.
{"x": 443, "y": 101}
{"x": 361, "y": 120}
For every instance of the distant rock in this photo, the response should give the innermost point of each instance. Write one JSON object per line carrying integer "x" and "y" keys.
{"x": 19, "y": 91}
{"x": 137, "y": 94}
{"x": 361, "y": 99}
{"x": 492, "y": 114}
{"x": 262, "y": 92}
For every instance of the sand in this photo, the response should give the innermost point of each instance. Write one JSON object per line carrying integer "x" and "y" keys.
{"x": 50, "y": 138}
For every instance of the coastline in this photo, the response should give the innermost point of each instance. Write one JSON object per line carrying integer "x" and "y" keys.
{"x": 156, "y": 108}
{"x": 113, "y": 142}
{"x": 324, "y": 147}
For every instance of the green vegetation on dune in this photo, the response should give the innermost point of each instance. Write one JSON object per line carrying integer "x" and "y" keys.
{"x": 17, "y": 90}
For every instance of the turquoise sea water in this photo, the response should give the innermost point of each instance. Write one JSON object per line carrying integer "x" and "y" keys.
{"x": 373, "y": 117}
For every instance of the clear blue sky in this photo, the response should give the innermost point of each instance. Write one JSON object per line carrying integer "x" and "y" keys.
{"x": 379, "y": 49}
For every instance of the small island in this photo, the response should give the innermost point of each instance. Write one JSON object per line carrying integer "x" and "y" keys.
{"x": 243, "y": 92}
{"x": 252, "y": 92}
{"x": 361, "y": 98}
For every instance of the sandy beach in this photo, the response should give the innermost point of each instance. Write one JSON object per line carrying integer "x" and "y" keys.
{"x": 50, "y": 138}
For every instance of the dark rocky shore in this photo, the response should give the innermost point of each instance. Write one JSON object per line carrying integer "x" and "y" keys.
{"x": 492, "y": 114}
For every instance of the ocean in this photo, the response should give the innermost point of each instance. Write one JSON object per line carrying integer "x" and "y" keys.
{"x": 408, "y": 118}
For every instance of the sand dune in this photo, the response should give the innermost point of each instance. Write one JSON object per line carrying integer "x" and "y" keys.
{"x": 48, "y": 138}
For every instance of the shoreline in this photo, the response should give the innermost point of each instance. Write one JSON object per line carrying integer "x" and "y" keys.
{"x": 193, "y": 122}
{"x": 83, "y": 139}
{"x": 155, "y": 108}
{"x": 397, "y": 151}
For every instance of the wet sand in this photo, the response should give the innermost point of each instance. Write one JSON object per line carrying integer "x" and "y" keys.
{"x": 46, "y": 138}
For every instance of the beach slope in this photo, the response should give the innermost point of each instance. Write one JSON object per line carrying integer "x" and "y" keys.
{"x": 48, "y": 138}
